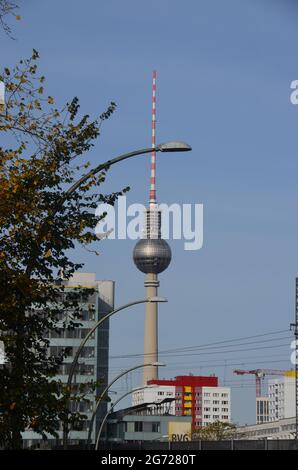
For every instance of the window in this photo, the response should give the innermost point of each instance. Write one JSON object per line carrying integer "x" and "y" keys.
{"x": 56, "y": 351}
{"x": 78, "y": 333}
{"x": 81, "y": 369}
{"x": 155, "y": 427}
{"x": 130, "y": 427}
{"x": 84, "y": 406}
{"x": 138, "y": 426}
{"x": 87, "y": 315}
{"x": 87, "y": 351}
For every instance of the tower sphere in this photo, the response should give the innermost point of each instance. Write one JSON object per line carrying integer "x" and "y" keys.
{"x": 152, "y": 255}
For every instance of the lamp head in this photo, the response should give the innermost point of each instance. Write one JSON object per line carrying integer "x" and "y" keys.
{"x": 174, "y": 146}
{"x": 157, "y": 299}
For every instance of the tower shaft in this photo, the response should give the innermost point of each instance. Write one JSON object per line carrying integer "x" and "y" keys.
{"x": 151, "y": 329}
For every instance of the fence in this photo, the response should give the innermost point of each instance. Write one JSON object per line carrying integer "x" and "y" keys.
{"x": 204, "y": 445}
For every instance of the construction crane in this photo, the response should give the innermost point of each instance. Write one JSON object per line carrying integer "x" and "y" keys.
{"x": 259, "y": 374}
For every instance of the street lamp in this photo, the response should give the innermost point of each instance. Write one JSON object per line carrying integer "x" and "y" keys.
{"x": 97, "y": 325}
{"x": 173, "y": 146}
{"x": 155, "y": 364}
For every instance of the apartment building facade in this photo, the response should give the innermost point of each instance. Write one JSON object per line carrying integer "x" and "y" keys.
{"x": 199, "y": 397}
{"x": 93, "y": 361}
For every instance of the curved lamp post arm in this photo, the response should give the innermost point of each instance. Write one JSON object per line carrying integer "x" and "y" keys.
{"x": 75, "y": 360}
{"x": 103, "y": 394}
{"x": 109, "y": 412}
{"x": 104, "y": 166}
{"x": 174, "y": 146}
{"x": 97, "y": 325}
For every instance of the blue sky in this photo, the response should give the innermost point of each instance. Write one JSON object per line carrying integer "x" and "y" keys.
{"x": 224, "y": 73}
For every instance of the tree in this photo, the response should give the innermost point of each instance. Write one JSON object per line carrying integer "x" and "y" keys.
{"x": 41, "y": 221}
{"x": 8, "y": 8}
{"x": 218, "y": 431}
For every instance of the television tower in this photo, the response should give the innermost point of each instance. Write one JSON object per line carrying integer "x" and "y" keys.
{"x": 152, "y": 255}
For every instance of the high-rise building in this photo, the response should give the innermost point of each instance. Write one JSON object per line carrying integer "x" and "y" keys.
{"x": 93, "y": 362}
{"x": 196, "y": 396}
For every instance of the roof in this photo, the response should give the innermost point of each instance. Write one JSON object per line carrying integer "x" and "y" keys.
{"x": 142, "y": 406}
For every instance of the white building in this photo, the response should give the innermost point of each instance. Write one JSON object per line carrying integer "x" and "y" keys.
{"x": 281, "y": 393}
{"x": 281, "y": 429}
{"x": 155, "y": 394}
{"x": 93, "y": 362}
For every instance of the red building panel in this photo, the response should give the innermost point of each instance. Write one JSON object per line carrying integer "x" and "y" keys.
{"x": 188, "y": 381}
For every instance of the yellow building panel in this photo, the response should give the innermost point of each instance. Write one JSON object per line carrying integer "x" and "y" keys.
{"x": 289, "y": 373}
{"x": 188, "y": 405}
{"x": 187, "y": 389}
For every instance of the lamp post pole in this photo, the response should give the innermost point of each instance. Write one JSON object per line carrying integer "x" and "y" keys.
{"x": 97, "y": 325}
{"x": 155, "y": 364}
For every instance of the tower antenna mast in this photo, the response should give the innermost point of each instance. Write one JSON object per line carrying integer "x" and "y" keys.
{"x": 152, "y": 195}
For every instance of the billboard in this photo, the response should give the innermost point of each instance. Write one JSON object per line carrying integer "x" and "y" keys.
{"x": 179, "y": 431}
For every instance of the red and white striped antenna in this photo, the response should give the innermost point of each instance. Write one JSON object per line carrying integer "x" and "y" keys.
{"x": 152, "y": 196}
